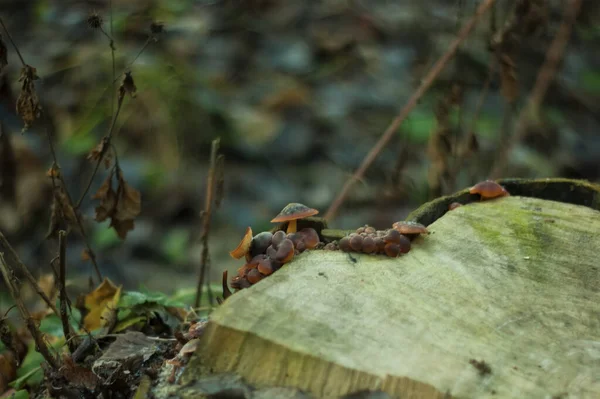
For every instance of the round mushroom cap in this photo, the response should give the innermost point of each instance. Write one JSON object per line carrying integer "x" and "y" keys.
{"x": 408, "y": 227}
{"x": 488, "y": 189}
{"x": 294, "y": 211}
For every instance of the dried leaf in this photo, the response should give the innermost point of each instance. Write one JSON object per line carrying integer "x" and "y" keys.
{"x": 78, "y": 375}
{"x": 102, "y": 306}
{"x": 108, "y": 200}
{"x": 122, "y": 227}
{"x": 129, "y": 204}
{"x": 54, "y": 171}
{"x": 28, "y": 104}
{"x": 3, "y": 59}
{"x": 63, "y": 215}
{"x": 98, "y": 151}
{"x": 128, "y": 86}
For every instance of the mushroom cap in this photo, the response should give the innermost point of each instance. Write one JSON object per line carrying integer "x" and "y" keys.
{"x": 244, "y": 245}
{"x": 488, "y": 189}
{"x": 294, "y": 211}
{"x": 408, "y": 227}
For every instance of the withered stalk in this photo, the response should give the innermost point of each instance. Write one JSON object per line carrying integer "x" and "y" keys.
{"x": 63, "y": 299}
{"x": 12, "y": 284}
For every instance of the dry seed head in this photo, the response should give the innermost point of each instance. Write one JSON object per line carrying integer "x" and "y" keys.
{"x": 94, "y": 20}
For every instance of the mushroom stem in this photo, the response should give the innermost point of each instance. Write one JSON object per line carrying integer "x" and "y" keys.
{"x": 291, "y": 227}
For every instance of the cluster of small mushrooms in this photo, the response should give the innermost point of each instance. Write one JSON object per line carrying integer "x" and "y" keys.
{"x": 268, "y": 251}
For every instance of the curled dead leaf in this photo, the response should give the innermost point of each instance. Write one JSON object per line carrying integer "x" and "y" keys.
{"x": 127, "y": 86}
{"x": 28, "y": 103}
{"x": 101, "y": 305}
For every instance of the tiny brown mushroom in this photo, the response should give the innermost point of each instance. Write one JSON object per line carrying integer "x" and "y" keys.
{"x": 408, "y": 227}
{"x": 370, "y": 230}
{"x": 392, "y": 236}
{"x": 260, "y": 243}
{"x": 404, "y": 244}
{"x": 356, "y": 243}
{"x": 271, "y": 252}
{"x": 291, "y": 213}
{"x": 380, "y": 243}
{"x": 265, "y": 266}
{"x": 310, "y": 237}
{"x": 392, "y": 249}
{"x": 344, "y": 244}
{"x": 488, "y": 189}
{"x": 285, "y": 252}
{"x": 368, "y": 245}
{"x": 244, "y": 245}
{"x": 277, "y": 238}
{"x": 254, "y": 276}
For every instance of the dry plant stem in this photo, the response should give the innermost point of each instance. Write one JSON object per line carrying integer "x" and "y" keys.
{"x": 206, "y": 218}
{"x": 71, "y": 204}
{"x": 63, "y": 299}
{"x": 105, "y": 148}
{"x": 12, "y": 42}
{"x": 412, "y": 102}
{"x": 6, "y": 245}
{"x": 542, "y": 83}
{"x": 40, "y": 345}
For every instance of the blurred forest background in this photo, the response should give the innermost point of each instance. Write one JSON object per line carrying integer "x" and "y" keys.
{"x": 298, "y": 91}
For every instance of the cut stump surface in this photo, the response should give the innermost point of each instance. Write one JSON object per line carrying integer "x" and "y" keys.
{"x": 513, "y": 282}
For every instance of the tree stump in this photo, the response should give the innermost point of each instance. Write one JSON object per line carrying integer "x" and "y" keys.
{"x": 500, "y": 300}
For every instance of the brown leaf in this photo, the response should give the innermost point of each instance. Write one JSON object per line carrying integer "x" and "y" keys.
{"x": 3, "y": 59}
{"x": 128, "y": 86}
{"x": 53, "y": 171}
{"x": 108, "y": 200}
{"x": 97, "y": 151}
{"x": 122, "y": 227}
{"x": 63, "y": 215}
{"x": 28, "y": 104}
{"x": 129, "y": 204}
{"x": 78, "y": 375}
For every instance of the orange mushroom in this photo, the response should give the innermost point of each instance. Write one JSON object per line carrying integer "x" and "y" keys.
{"x": 254, "y": 276}
{"x": 291, "y": 213}
{"x": 408, "y": 227}
{"x": 488, "y": 189}
{"x": 244, "y": 245}
{"x": 392, "y": 249}
{"x": 285, "y": 252}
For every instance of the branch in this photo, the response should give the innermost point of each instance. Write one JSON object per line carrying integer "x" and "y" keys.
{"x": 206, "y": 217}
{"x": 12, "y": 42}
{"x": 412, "y": 102}
{"x": 63, "y": 299}
{"x": 40, "y": 345}
{"x": 544, "y": 79}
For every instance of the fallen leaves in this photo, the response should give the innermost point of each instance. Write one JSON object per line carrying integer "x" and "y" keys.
{"x": 121, "y": 206}
{"x": 28, "y": 104}
{"x": 101, "y": 305}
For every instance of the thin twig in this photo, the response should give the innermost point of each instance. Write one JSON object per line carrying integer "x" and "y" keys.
{"x": 6, "y": 245}
{"x": 63, "y": 299}
{"x": 412, "y": 102}
{"x": 544, "y": 78}
{"x": 105, "y": 148}
{"x": 112, "y": 54}
{"x": 40, "y": 345}
{"x": 70, "y": 200}
{"x": 206, "y": 218}
{"x": 12, "y": 42}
